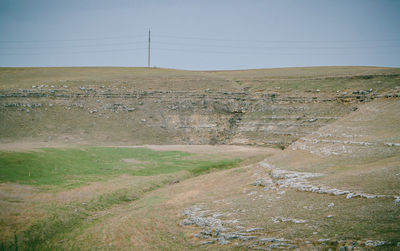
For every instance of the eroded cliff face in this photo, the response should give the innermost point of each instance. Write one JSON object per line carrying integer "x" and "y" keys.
{"x": 107, "y": 114}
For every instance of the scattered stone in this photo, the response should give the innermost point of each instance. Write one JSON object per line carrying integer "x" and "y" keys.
{"x": 272, "y": 240}
{"x": 279, "y": 219}
{"x": 362, "y": 92}
{"x": 274, "y": 245}
{"x": 298, "y": 180}
{"x": 351, "y": 195}
{"x": 392, "y": 144}
{"x": 230, "y": 236}
{"x": 331, "y": 204}
{"x": 207, "y": 242}
{"x": 223, "y": 241}
{"x": 371, "y": 243}
{"x": 254, "y": 229}
{"x": 263, "y": 182}
{"x": 247, "y": 238}
{"x": 186, "y": 222}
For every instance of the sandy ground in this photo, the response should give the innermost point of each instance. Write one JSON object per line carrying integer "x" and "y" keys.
{"x": 202, "y": 149}
{"x": 216, "y": 149}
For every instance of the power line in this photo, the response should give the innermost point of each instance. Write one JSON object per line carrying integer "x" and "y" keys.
{"x": 249, "y": 49}
{"x": 200, "y": 38}
{"x": 258, "y": 52}
{"x": 276, "y": 47}
{"x": 201, "y": 45}
{"x": 277, "y": 41}
{"x": 190, "y": 51}
{"x": 71, "y": 46}
{"x": 74, "y": 52}
{"x": 68, "y": 40}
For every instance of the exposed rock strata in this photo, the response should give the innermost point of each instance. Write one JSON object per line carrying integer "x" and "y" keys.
{"x": 189, "y": 117}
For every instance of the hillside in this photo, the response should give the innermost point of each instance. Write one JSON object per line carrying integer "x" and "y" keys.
{"x": 163, "y": 106}
{"x": 161, "y": 159}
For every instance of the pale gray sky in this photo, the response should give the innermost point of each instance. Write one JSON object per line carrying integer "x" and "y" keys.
{"x": 200, "y": 34}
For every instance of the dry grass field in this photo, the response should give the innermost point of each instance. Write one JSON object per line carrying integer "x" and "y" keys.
{"x": 162, "y": 159}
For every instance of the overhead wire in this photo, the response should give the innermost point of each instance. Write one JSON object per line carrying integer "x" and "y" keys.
{"x": 277, "y": 47}
{"x": 188, "y": 47}
{"x": 69, "y": 40}
{"x": 255, "y": 52}
{"x": 277, "y": 41}
{"x": 75, "y": 52}
{"x": 71, "y": 46}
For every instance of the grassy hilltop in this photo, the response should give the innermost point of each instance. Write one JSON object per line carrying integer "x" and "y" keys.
{"x": 170, "y": 79}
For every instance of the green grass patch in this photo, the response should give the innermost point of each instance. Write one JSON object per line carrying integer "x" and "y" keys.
{"x": 61, "y": 168}
{"x": 78, "y": 166}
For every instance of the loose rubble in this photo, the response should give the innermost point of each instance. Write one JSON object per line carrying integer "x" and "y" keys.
{"x": 279, "y": 219}
{"x": 217, "y": 229}
{"x": 298, "y": 180}
{"x": 223, "y": 232}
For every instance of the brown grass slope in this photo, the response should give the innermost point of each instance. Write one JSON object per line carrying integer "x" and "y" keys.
{"x": 153, "y": 222}
{"x": 91, "y": 105}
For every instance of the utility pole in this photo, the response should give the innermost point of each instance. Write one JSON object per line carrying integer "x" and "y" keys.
{"x": 148, "y": 56}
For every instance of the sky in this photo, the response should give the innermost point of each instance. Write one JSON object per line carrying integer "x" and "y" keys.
{"x": 200, "y": 35}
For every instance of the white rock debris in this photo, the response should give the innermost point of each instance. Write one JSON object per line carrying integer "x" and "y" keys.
{"x": 299, "y": 181}
{"x": 279, "y": 219}
{"x": 223, "y": 232}
{"x": 375, "y": 243}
